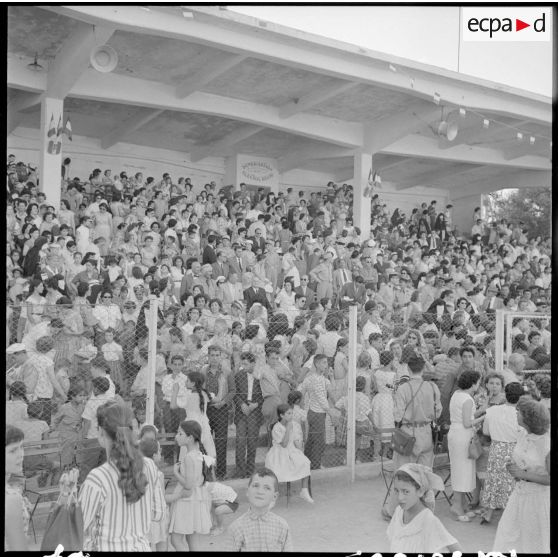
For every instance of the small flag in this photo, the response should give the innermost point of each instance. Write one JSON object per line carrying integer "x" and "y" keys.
{"x": 59, "y": 130}
{"x": 51, "y": 128}
{"x": 68, "y": 129}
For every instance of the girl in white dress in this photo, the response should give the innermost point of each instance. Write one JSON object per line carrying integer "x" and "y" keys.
{"x": 191, "y": 502}
{"x": 414, "y": 528}
{"x": 195, "y": 403}
{"x": 285, "y": 457}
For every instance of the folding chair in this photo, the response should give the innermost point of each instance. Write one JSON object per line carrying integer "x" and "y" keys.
{"x": 387, "y": 469}
{"x": 441, "y": 467}
{"x": 52, "y": 450}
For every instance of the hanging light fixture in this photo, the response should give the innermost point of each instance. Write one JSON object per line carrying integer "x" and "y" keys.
{"x": 35, "y": 66}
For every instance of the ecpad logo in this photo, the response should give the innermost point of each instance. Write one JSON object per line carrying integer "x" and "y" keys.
{"x": 506, "y": 24}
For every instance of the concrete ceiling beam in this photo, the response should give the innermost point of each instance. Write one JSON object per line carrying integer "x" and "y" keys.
{"x": 229, "y": 140}
{"x": 218, "y": 29}
{"x": 13, "y": 110}
{"x": 131, "y": 125}
{"x": 522, "y": 179}
{"x": 314, "y": 98}
{"x": 293, "y": 159}
{"x": 426, "y": 179}
{"x": 73, "y": 58}
{"x": 117, "y": 88}
{"x": 206, "y": 75}
{"x": 383, "y": 132}
{"x": 417, "y": 145}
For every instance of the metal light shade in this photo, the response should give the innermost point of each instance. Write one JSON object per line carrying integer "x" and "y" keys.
{"x": 104, "y": 59}
{"x": 448, "y": 129}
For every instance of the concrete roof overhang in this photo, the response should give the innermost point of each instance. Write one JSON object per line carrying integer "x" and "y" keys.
{"x": 216, "y": 83}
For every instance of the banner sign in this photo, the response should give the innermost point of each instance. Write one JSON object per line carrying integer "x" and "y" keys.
{"x": 257, "y": 171}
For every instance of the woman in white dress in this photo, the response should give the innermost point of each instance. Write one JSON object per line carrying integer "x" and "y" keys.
{"x": 285, "y": 301}
{"x": 462, "y": 411}
{"x": 525, "y": 523}
{"x": 285, "y": 457}
{"x": 195, "y": 404}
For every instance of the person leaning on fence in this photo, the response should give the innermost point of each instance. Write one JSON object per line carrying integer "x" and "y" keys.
{"x": 317, "y": 386}
{"x": 248, "y": 400}
{"x": 416, "y": 406}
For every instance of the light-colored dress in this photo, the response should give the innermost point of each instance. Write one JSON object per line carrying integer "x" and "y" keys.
{"x": 192, "y": 514}
{"x": 193, "y": 412}
{"x": 463, "y": 472}
{"x": 424, "y": 533}
{"x": 103, "y": 226}
{"x": 501, "y": 423}
{"x": 382, "y": 403}
{"x": 525, "y": 523}
{"x": 289, "y": 463}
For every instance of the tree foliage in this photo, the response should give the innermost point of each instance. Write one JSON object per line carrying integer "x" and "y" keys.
{"x": 533, "y": 206}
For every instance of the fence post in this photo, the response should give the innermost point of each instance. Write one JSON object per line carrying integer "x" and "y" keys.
{"x": 351, "y": 391}
{"x": 151, "y": 324}
{"x": 499, "y": 341}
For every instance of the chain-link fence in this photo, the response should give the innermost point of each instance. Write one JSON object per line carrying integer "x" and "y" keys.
{"x": 236, "y": 375}
{"x": 168, "y": 368}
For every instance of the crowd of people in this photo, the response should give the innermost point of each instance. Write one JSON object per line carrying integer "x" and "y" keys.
{"x": 253, "y": 289}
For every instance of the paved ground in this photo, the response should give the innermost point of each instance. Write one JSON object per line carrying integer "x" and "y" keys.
{"x": 345, "y": 517}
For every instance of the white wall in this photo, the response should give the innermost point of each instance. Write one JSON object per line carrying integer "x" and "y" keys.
{"x": 407, "y": 200}
{"x": 86, "y": 155}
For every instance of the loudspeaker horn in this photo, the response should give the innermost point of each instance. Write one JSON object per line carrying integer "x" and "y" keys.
{"x": 104, "y": 59}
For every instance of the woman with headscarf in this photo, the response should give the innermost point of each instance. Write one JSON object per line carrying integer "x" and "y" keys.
{"x": 414, "y": 528}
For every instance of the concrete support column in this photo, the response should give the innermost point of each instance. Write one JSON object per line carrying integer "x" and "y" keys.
{"x": 463, "y": 209}
{"x": 230, "y": 172}
{"x": 50, "y": 166}
{"x": 362, "y": 206}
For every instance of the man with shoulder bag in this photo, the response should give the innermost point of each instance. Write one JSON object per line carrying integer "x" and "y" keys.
{"x": 416, "y": 409}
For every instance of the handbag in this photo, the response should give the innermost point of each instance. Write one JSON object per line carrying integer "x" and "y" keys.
{"x": 475, "y": 447}
{"x": 65, "y": 521}
{"x": 402, "y": 442}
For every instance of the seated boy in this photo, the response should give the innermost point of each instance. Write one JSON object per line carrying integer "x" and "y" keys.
{"x": 223, "y": 502}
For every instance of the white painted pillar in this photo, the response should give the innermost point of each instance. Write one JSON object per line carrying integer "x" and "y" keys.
{"x": 362, "y": 206}
{"x": 351, "y": 392}
{"x": 463, "y": 208}
{"x": 50, "y": 165}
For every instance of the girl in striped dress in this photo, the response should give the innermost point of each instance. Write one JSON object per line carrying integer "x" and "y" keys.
{"x": 119, "y": 499}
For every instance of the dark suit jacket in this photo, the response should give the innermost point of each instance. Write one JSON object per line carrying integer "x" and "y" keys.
{"x": 220, "y": 269}
{"x": 309, "y": 294}
{"x": 257, "y": 244}
{"x": 259, "y": 296}
{"x": 355, "y": 291}
{"x": 241, "y": 394}
{"x": 209, "y": 256}
{"x": 233, "y": 266}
